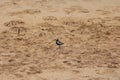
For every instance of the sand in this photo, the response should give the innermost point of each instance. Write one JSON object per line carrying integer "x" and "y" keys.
{"x": 89, "y": 29}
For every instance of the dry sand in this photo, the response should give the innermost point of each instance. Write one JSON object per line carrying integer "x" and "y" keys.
{"x": 89, "y": 29}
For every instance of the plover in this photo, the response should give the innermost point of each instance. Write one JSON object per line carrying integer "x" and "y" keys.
{"x": 58, "y": 42}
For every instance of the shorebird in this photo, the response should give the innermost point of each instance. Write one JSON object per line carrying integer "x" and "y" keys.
{"x": 58, "y": 42}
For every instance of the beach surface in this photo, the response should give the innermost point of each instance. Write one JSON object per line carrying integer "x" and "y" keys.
{"x": 89, "y": 29}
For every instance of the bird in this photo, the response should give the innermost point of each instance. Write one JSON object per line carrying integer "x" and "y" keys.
{"x": 58, "y": 42}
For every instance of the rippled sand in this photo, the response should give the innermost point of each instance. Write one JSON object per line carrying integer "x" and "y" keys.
{"x": 89, "y": 29}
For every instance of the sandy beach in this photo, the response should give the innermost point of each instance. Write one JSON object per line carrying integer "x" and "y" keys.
{"x": 89, "y": 29}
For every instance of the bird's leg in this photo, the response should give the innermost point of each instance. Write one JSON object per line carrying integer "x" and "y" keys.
{"x": 59, "y": 46}
{"x": 18, "y": 31}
